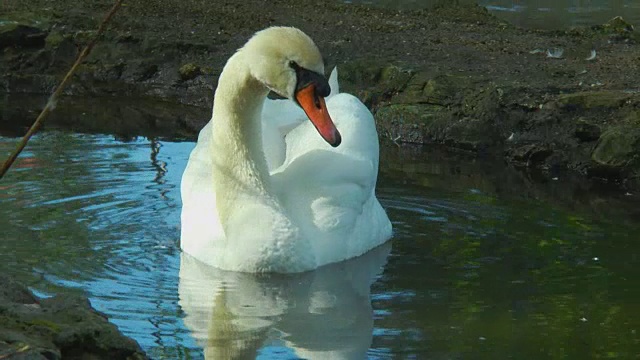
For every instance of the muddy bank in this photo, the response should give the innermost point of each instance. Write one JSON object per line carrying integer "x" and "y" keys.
{"x": 453, "y": 75}
{"x": 61, "y": 327}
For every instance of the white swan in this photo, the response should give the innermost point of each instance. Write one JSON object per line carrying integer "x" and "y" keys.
{"x": 262, "y": 191}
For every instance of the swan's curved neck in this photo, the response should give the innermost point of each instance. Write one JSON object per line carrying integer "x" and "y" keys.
{"x": 239, "y": 162}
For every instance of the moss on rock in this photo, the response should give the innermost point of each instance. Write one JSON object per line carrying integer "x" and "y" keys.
{"x": 189, "y": 71}
{"x": 366, "y": 77}
{"x": 61, "y": 327}
{"x": 618, "y": 149}
{"x": 413, "y": 123}
{"x": 54, "y": 39}
{"x": 594, "y": 99}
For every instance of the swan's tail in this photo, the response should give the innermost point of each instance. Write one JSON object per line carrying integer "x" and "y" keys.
{"x": 333, "y": 82}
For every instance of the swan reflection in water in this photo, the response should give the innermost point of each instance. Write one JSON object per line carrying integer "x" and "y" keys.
{"x": 322, "y": 314}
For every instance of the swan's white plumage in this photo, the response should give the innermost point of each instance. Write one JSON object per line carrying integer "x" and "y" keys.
{"x": 294, "y": 204}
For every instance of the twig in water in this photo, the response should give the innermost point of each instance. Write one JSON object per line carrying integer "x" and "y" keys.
{"x": 53, "y": 99}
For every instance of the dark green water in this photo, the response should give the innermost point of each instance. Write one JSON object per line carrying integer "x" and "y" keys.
{"x": 537, "y": 14}
{"x": 485, "y": 262}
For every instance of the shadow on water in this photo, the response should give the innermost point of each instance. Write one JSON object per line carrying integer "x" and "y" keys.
{"x": 502, "y": 265}
{"x": 490, "y": 178}
{"x": 486, "y": 261}
{"x": 124, "y": 117}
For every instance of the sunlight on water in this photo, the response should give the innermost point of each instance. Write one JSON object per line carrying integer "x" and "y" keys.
{"x": 482, "y": 265}
{"x": 88, "y": 212}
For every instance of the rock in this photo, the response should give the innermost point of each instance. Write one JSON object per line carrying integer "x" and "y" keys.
{"x": 13, "y": 33}
{"x": 438, "y": 90}
{"x": 618, "y": 29}
{"x": 530, "y": 154}
{"x": 84, "y": 37}
{"x": 61, "y": 327}
{"x": 54, "y": 39}
{"x": 362, "y": 73}
{"x": 471, "y": 134}
{"x": 145, "y": 72}
{"x": 594, "y": 99}
{"x": 372, "y": 81}
{"x": 618, "y": 150}
{"x": 618, "y": 25}
{"x": 11, "y": 291}
{"x": 586, "y": 131}
{"x": 412, "y": 123}
{"x": 62, "y": 50}
{"x": 189, "y": 71}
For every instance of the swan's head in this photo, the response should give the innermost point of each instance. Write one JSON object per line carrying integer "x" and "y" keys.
{"x": 288, "y": 62}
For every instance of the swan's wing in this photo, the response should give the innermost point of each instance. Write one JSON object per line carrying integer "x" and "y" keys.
{"x": 330, "y": 186}
{"x": 327, "y": 169}
{"x": 333, "y": 82}
{"x": 326, "y": 199}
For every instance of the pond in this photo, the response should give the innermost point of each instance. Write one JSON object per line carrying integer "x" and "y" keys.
{"x": 486, "y": 262}
{"x": 537, "y": 14}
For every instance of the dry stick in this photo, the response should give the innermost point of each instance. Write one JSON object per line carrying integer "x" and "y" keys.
{"x": 53, "y": 99}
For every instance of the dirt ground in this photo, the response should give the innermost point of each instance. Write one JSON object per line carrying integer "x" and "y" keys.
{"x": 453, "y": 75}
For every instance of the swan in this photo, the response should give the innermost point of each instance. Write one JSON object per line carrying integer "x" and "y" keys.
{"x": 264, "y": 190}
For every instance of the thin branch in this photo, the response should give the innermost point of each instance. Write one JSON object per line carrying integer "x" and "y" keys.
{"x": 53, "y": 99}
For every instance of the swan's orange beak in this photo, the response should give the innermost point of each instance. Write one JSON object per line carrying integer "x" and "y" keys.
{"x": 316, "y": 110}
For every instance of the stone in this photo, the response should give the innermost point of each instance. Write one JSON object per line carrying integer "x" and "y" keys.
{"x": 15, "y": 34}
{"x": 372, "y": 81}
{"x": 594, "y": 99}
{"x": 530, "y": 154}
{"x": 189, "y": 71}
{"x": 61, "y": 327}
{"x": 618, "y": 148}
{"x": 412, "y": 123}
{"x": 586, "y": 131}
{"x": 439, "y": 90}
{"x": 618, "y": 25}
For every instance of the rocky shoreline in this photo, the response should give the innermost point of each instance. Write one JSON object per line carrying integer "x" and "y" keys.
{"x": 452, "y": 75}
{"x": 61, "y": 327}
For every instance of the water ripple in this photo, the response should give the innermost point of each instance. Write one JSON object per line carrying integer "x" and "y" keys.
{"x": 89, "y": 213}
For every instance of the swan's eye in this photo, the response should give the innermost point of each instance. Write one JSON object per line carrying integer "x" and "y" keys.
{"x": 294, "y": 65}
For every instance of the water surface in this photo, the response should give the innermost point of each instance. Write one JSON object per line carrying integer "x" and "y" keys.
{"x": 486, "y": 262}
{"x": 537, "y": 14}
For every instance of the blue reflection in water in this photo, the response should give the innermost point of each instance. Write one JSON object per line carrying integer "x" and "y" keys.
{"x": 468, "y": 268}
